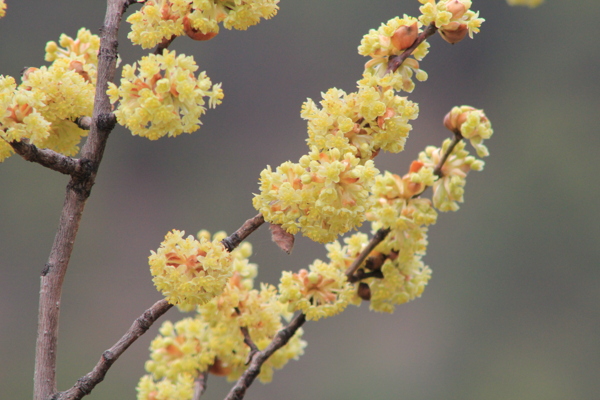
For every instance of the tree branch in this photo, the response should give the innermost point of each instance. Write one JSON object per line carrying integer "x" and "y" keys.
{"x": 50, "y": 159}
{"x": 234, "y": 240}
{"x": 238, "y": 391}
{"x": 86, "y": 383}
{"x": 78, "y": 190}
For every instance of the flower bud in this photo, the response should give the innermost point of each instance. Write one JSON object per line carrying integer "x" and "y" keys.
{"x": 405, "y": 36}
{"x": 456, "y": 117}
{"x": 455, "y": 35}
{"x": 457, "y": 8}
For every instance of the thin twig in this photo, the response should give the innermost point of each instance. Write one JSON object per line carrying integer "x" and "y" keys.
{"x": 238, "y": 391}
{"x": 50, "y": 159}
{"x": 375, "y": 240}
{"x": 78, "y": 190}
{"x": 395, "y": 61}
{"x": 164, "y": 45}
{"x": 200, "y": 385}
{"x": 234, "y": 240}
{"x": 438, "y": 169}
{"x": 247, "y": 339}
{"x": 86, "y": 383}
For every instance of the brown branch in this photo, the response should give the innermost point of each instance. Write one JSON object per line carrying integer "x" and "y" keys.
{"x": 200, "y": 385}
{"x": 238, "y": 391}
{"x": 375, "y": 240}
{"x": 86, "y": 383}
{"x": 78, "y": 190}
{"x": 438, "y": 169}
{"x": 234, "y": 240}
{"x": 50, "y": 159}
{"x": 164, "y": 44}
{"x": 395, "y": 61}
{"x": 247, "y": 339}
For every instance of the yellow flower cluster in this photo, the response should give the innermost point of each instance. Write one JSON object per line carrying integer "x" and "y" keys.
{"x": 2, "y": 8}
{"x": 390, "y": 40}
{"x": 324, "y": 195}
{"x": 45, "y": 105}
{"x": 528, "y": 3}
{"x": 328, "y": 192}
{"x": 472, "y": 124}
{"x": 323, "y": 291}
{"x": 160, "y": 20}
{"x": 362, "y": 123}
{"x": 448, "y": 190}
{"x": 83, "y": 48}
{"x": 453, "y": 18}
{"x": 213, "y": 340}
{"x": 182, "y": 388}
{"x": 188, "y": 271}
{"x": 163, "y": 97}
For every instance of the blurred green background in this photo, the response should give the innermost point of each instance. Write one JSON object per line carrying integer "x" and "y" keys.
{"x": 512, "y": 310}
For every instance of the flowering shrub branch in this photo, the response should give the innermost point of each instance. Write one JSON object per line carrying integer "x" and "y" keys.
{"x": 241, "y": 331}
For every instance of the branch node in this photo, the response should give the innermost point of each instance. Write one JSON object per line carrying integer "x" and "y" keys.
{"x": 106, "y": 122}
{"x": 46, "y": 269}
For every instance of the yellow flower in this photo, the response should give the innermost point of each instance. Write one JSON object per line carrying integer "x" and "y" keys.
{"x": 403, "y": 280}
{"x": 84, "y": 47}
{"x": 162, "y": 97}
{"x": 157, "y": 20}
{"x": 321, "y": 292}
{"x": 181, "y": 388}
{"x": 43, "y": 108}
{"x": 448, "y": 190}
{"x": 187, "y": 271}
{"x": 381, "y": 45}
{"x": 325, "y": 195}
{"x": 177, "y": 350}
{"x": 362, "y": 123}
{"x": 2, "y": 14}
{"x": 472, "y": 124}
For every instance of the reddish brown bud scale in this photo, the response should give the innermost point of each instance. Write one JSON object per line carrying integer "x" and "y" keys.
{"x": 456, "y": 35}
{"x": 405, "y": 36}
{"x": 457, "y": 8}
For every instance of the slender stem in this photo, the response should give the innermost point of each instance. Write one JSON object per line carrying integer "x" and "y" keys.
{"x": 78, "y": 190}
{"x": 49, "y": 158}
{"x": 375, "y": 240}
{"x": 438, "y": 169}
{"x": 234, "y": 240}
{"x": 238, "y": 391}
{"x": 86, "y": 384}
{"x": 395, "y": 61}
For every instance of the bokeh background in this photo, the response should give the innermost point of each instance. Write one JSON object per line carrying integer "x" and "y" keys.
{"x": 513, "y": 308}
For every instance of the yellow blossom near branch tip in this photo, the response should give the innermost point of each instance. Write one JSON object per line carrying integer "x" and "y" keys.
{"x": 187, "y": 271}
{"x": 160, "y": 20}
{"x": 321, "y": 292}
{"x": 162, "y": 97}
